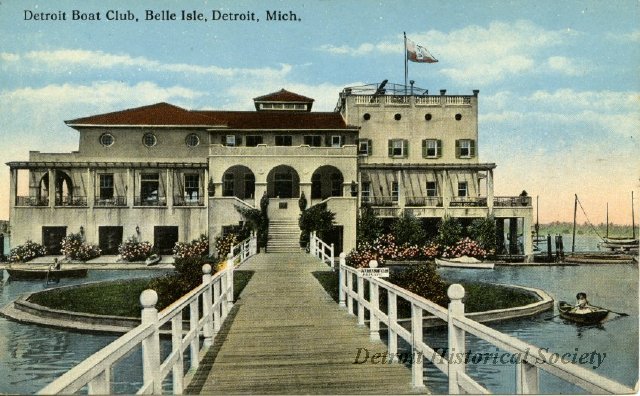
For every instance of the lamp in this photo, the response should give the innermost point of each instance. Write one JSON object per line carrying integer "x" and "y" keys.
{"x": 138, "y": 230}
{"x": 81, "y": 230}
{"x": 354, "y": 188}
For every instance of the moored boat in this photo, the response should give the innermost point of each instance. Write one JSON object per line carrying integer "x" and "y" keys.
{"x": 590, "y": 315}
{"x": 43, "y": 273}
{"x": 464, "y": 262}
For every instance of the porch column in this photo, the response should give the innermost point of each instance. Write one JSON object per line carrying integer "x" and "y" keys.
{"x": 446, "y": 191}
{"x": 91, "y": 187}
{"x": 169, "y": 192}
{"x": 13, "y": 189}
{"x": 490, "y": 191}
{"x": 130, "y": 187}
{"x": 527, "y": 238}
{"x": 52, "y": 187}
{"x": 261, "y": 188}
{"x": 206, "y": 187}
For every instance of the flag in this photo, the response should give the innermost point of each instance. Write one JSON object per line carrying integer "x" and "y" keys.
{"x": 417, "y": 53}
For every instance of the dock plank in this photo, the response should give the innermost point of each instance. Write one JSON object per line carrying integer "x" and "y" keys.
{"x": 288, "y": 336}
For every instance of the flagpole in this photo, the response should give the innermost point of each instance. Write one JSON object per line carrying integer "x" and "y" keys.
{"x": 406, "y": 67}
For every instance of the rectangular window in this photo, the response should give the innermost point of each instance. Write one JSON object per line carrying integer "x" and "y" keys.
{"x": 366, "y": 192}
{"x": 313, "y": 140}
{"x": 465, "y": 148}
{"x": 228, "y": 185}
{"x": 149, "y": 183}
{"x": 336, "y": 141}
{"x": 462, "y": 189}
{"x": 254, "y": 140}
{"x": 432, "y": 189}
{"x": 398, "y": 148}
{"x": 192, "y": 187}
{"x": 106, "y": 186}
{"x": 364, "y": 147}
{"x": 431, "y": 148}
{"x": 230, "y": 140}
{"x": 283, "y": 140}
{"x": 395, "y": 192}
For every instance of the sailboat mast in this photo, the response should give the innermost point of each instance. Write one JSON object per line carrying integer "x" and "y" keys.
{"x": 575, "y": 210}
{"x": 607, "y": 219}
{"x": 633, "y": 218}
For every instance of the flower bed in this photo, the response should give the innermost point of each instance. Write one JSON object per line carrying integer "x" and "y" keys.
{"x": 27, "y": 251}
{"x": 74, "y": 248}
{"x": 134, "y": 250}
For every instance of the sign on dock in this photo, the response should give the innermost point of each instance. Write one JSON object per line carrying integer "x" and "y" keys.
{"x": 374, "y": 272}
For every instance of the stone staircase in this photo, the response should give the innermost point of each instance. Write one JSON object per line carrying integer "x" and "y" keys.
{"x": 284, "y": 236}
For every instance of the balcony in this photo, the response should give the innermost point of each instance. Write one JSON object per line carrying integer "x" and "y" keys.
{"x": 32, "y": 201}
{"x": 472, "y": 202}
{"x": 380, "y": 201}
{"x": 71, "y": 201}
{"x": 511, "y": 201}
{"x": 423, "y": 201}
{"x": 114, "y": 201}
{"x": 180, "y": 200}
{"x": 150, "y": 201}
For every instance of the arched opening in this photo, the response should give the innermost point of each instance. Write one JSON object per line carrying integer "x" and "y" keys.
{"x": 283, "y": 182}
{"x": 239, "y": 181}
{"x": 326, "y": 181}
{"x": 63, "y": 188}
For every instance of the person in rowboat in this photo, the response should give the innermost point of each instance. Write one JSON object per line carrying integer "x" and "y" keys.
{"x": 582, "y": 306}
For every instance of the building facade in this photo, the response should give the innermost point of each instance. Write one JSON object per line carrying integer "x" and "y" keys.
{"x": 164, "y": 174}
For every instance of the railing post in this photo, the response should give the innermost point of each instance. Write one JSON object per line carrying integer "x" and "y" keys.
{"x": 374, "y": 302}
{"x": 218, "y": 305}
{"x": 417, "y": 374}
{"x": 207, "y": 308}
{"x": 341, "y": 273}
{"x": 527, "y": 378}
{"x": 349, "y": 291}
{"x": 194, "y": 347}
{"x": 151, "y": 344}
{"x": 360, "y": 280}
{"x": 312, "y": 243}
{"x": 176, "y": 346}
{"x": 393, "y": 319}
{"x": 101, "y": 384}
{"x": 253, "y": 244}
{"x": 456, "y": 337}
{"x": 229, "y": 289}
{"x": 332, "y": 258}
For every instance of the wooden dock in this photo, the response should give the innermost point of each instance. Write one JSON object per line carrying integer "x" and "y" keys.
{"x": 288, "y": 336}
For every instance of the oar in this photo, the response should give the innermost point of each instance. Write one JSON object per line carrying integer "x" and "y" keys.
{"x": 617, "y": 313}
{"x": 554, "y": 316}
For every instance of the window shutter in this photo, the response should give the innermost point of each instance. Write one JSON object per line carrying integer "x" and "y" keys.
{"x": 472, "y": 148}
{"x": 457, "y": 149}
{"x": 390, "y": 147}
{"x": 238, "y": 140}
{"x": 405, "y": 148}
{"x": 424, "y": 148}
{"x": 438, "y": 148}
{"x": 223, "y": 140}
{"x": 327, "y": 141}
{"x": 343, "y": 140}
{"x": 370, "y": 147}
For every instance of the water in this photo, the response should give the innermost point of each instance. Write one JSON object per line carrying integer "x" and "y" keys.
{"x": 33, "y": 356}
{"x": 611, "y": 286}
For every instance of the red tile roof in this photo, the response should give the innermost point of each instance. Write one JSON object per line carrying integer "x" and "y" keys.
{"x": 283, "y": 96}
{"x": 165, "y": 114}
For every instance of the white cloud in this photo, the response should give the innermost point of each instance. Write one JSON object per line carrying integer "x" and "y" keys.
{"x": 566, "y": 66}
{"x": 633, "y": 36}
{"x": 63, "y": 59}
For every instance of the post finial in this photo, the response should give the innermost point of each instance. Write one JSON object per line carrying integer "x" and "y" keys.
{"x": 148, "y": 298}
{"x": 455, "y": 291}
{"x": 206, "y": 269}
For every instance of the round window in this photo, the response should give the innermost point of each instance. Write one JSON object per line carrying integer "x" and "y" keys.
{"x": 458, "y": 117}
{"x": 427, "y": 116}
{"x": 397, "y": 116}
{"x": 149, "y": 139}
{"x": 366, "y": 116}
{"x": 192, "y": 140}
{"x": 106, "y": 139}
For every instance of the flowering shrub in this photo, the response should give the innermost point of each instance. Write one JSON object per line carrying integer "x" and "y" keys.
{"x": 224, "y": 244}
{"x": 360, "y": 257}
{"x": 132, "y": 250}
{"x": 29, "y": 250}
{"x": 74, "y": 248}
{"x": 465, "y": 247}
{"x": 196, "y": 248}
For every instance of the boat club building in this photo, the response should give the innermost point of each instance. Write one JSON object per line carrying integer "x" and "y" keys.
{"x": 164, "y": 174}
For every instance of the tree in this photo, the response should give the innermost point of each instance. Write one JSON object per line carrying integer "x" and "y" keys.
{"x": 369, "y": 227}
{"x": 258, "y": 222}
{"x": 317, "y": 218}
{"x": 483, "y": 231}
{"x": 408, "y": 230}
{"x": 449, "y": 232}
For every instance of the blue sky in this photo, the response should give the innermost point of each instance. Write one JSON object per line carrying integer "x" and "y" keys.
{"x": 559, "y": 81}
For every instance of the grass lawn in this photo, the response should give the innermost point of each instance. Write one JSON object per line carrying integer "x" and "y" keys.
{"x": 479, "y": 296}
{"x": 119, "y": 298}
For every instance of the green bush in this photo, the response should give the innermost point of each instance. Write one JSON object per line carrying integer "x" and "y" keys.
{"x": 257, "y": 220}
{"x": 224, "y": 244}
{"x": 424, "y": 281}
{"x": 408, "y": 230}
{"x": 369, "y": 227}
{"x": 196, "y": 248}
{"x": 317, "y": 218}
{"x": 449, "y": 232}
{"x": 483, "y": 231}
{"x": 27, "y": 251}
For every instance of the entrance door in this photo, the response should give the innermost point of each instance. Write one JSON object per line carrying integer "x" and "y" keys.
{"x": 109, "y": 238}
{"x": 52, "y": 238}
{"x": 283, "y": 184}
{"x": 164, "y": 238}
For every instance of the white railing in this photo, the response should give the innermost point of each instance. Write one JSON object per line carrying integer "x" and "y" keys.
{"x": 453, "y": 365}
{"x": 243, "y": 250}
{"x": 321, "y": 250}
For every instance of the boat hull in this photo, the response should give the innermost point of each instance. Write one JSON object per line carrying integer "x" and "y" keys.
{"x": 582, "y": 318}
{"x": 453, "y": 264}
{"x": 29, "y": 274}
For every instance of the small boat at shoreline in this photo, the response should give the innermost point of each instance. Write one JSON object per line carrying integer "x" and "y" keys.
{"x": 45, "y": 273}
{"x": 592, "y": 316}
{"x": 464, "y": 262}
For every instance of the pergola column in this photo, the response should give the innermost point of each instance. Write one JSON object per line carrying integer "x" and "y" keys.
{"x": 490, "y": 190}
{"x": 446, "y": 192}
{"x": 169, "y": 192}
{"x": 401, "y": 192}
{"x": 91, "y": 187}
{"x": 13, "y": 189}
{"x": 130, "y": 187}
{"x": 52, "y": 187}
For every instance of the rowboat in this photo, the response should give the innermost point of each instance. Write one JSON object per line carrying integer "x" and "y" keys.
{"x": 464, "y": 262}
{"x": 41, "y": 273}
{"x": 592, "y": 315}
